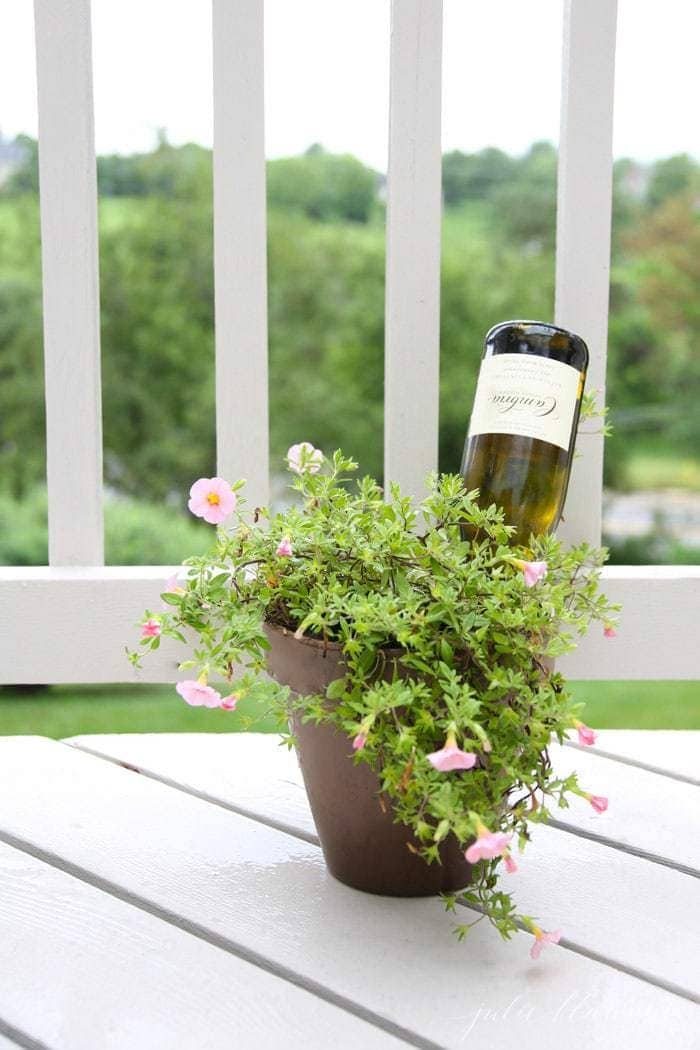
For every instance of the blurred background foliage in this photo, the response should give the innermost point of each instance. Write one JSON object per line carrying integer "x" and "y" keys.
{"x": 326, "y": 309}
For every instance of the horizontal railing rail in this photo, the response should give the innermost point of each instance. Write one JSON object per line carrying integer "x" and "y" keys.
{"x": 72, "y": 625}
{"x": 69, "y": 622}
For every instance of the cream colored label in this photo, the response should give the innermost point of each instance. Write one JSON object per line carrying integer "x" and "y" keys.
{"x": 525, "y": 395}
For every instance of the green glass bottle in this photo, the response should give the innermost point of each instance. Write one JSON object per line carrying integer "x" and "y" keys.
{"x": 522, "y": 431}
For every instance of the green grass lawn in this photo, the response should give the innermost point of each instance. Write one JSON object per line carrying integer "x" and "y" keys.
{"x": 62, "y": 711}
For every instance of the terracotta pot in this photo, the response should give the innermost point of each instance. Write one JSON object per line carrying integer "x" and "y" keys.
{"x": 363, "y": 845}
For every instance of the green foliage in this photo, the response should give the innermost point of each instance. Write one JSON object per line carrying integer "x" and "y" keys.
{"x": 475, "y": 644}
{"x": 22, "y": 379}
{"x": 326, "y": 299}
{"x": 25, "y": 177}
{"x": 672, "y": 177}
{"x": 474, "y": 176}
{"x": 135, "y": 533}
{"x": 178, "y": 173}
{"x": 326, "y": 331}
{"x": 656, "y": 547}
{"x": 323, "y": 186}
{"x": 158, "y": 346}
{"x": 526, "y": 205}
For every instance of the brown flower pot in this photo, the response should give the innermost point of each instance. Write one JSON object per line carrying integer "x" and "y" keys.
{"x": 363, "y": 845}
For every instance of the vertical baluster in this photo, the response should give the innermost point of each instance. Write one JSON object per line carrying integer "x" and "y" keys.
{"x": 68, "y": 191}
{"x": 583, "y": 228}
{"x": 412, "y": 342}
{"x": 240, "y": 251}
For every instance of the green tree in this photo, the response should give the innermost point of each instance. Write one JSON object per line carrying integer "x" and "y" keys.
{"x": 25, "y": 177}
{"x": 157, "y": 345}
{"x": 526, "y": 205}
{"x": 323, "y": 186}
{"x": 671, "y": 177}
{"x": 474, "y": 176}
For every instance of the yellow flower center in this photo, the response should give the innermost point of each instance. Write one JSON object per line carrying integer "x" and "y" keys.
{"x": 213, "y": 498}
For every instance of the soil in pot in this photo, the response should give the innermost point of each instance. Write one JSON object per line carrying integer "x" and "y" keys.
{"x": 363, "y": 845}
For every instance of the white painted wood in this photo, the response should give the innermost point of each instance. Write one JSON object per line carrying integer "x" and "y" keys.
{"x": 268, "y": 893}
{"x": 240, "y": 249}
{"x": 583, "y": 228}
{"x": 68, "y": 194}
{"x": 44, "y": 614}
{"x": 673, "y": 752}
{"x": 82, "y": 969}
{"x": 658, "y": 633}
{"x": 72, "y": 624}
{"x": 412, "y": 341}
{"x": 650, "y": 815}
{"x": 250, "y": 773}
{"x": 583, "y": 885}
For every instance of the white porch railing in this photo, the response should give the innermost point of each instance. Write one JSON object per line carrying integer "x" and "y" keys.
{"x": 69, "y": 622}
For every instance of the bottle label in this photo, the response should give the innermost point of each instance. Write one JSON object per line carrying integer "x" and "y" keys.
{"x": 526, "y": 395}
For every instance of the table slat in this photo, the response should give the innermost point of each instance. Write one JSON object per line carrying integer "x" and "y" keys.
{"x": 65, "y": 944}
{"x": 266, "y": 893}
{"x": 674, "y": 752}
{"x": 648, "y": 814}
{"x": 583, "y": 886}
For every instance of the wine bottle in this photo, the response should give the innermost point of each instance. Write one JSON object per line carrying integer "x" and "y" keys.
{"x": 522, "y": 430}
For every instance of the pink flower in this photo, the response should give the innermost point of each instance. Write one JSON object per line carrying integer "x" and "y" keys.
{"x": 531, "y": 570}
{"x": 511, "y": 866}
{"x": 304, "y": 458}
{"x": 609, "y": 632}
{"x": 285, "y": 549}
{"x": 212, "y": 499}
{"x": 359, "y": 741}
{"x": 542, "y": 937}
{"x": 451, "y": 757}
{"x": 198, "y": 694}
{"x": 599, "y": 802}
{"x": 489, "y": 844}
{"x": 151, "y": 628}
{"x": 586, "y": 735}
{"x": 229, "y": 702}
{"x": 173, "y": 586}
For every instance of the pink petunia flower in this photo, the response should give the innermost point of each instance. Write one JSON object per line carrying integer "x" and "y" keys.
{"x": 543, "y": 937}
{"x": 609, "y": 632}
{"x": 285, "y": 549}
{"x": 228, "y": 703}
{"x": 586, "y": 735}
{"x": 359, "y": 741}
{"x": 304, "y": 458}
{"x": 511, "y": 866}
{"x": 198, "y": 694}
{"x": 151, "y": 628}
{"x": 173, "y": 585}
{"x": 451, "y": 757}
{"x": 531, "y": 570}
{"x": 489, "y": 844}
{"x": 599, "y": 802}
{"x": 212, "y": 499}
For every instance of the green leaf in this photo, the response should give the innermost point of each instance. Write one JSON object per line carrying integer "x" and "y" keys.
{"x": 336, "y": 689}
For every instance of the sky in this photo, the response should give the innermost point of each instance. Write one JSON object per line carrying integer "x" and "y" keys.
{"x": 326, "y": 74}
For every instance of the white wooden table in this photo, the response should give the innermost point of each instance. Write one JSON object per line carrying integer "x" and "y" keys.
{"x": 189, "y": 907}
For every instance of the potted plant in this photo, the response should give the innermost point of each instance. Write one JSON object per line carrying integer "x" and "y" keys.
{"x": 411, "y": 667}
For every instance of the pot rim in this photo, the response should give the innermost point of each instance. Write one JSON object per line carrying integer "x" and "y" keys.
{"x": 319, "y": 644}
